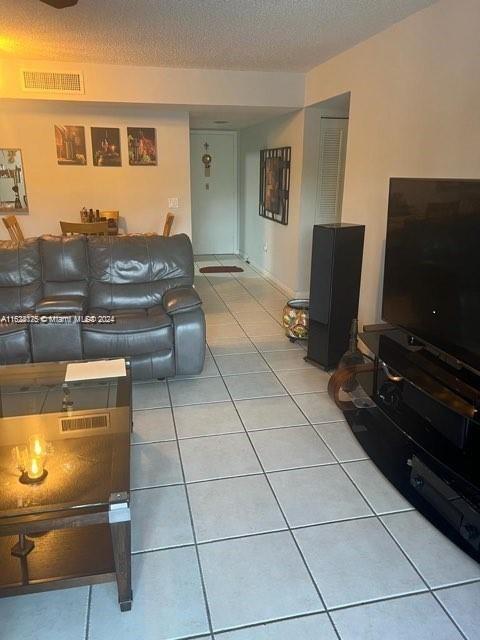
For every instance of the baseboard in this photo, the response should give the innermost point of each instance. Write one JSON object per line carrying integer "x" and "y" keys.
{"x": 281, "y": 286}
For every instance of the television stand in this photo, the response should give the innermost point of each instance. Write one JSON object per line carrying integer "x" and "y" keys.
{"x": 417, "y": 418}
{"x": 413, "y": 341}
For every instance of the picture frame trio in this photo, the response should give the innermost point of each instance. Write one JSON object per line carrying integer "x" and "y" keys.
{"x": 71, "y": 146}
{"x": 142, "y": 151}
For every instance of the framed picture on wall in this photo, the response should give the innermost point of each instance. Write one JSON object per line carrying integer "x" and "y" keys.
{"x": 275, "y": 184}
{"x": 13, "y": 190}
{"x": 106, "y": 147}
{"x": 70, "y": 144}
{"x": 142, "y": 146}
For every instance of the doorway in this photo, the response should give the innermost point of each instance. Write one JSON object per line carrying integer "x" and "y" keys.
{"x": 214, "y": 192}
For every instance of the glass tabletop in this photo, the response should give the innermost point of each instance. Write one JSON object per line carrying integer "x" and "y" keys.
{"x": 63, "y": 445}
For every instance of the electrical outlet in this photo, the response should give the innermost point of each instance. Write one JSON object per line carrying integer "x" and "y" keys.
{"x": 265, "y": 247}
{"x": 173, "y": 203}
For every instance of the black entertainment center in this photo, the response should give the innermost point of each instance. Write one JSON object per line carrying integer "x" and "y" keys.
{"x": 416, "y": 408}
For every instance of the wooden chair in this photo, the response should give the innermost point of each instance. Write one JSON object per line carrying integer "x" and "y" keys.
{"x": 87, "y": 228}
{"x": 168, "y": 224}
{"x": 112, "y": 218}
{"x": 13, "y": 229}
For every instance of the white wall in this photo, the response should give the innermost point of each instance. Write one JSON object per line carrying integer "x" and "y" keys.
{"x": 117, "y": 95}
{"x": 414, "y": 112}
{"x": 59, "y": 192}
{"x": 288, "y": 255}
{"x": 280, "y": 261}
{"x": 158, "y": 85}
{"x": 415, "y": 100}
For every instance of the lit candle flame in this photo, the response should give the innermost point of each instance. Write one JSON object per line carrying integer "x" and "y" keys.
{"x": 37, "y": 447}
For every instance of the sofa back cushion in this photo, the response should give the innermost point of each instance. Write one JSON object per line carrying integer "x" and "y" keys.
{"x": 134, "y": 271}
{"x": 20, "y": 276}
{"x": 64, "y": 265}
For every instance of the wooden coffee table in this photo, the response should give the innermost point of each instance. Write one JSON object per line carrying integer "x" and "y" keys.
{"x": 73, "y": 527}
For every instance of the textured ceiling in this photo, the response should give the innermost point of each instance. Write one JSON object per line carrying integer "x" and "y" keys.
{"x": 264, "y": 35}
{"x": 232, "y": 118}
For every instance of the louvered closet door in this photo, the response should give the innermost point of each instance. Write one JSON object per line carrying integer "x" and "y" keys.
{"x": 331, "y": 169}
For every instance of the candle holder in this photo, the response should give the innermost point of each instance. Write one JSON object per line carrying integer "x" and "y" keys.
{"x": 30, "y": 465}
{"x": 34, "y": 473}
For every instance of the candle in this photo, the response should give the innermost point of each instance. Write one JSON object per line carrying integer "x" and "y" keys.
{"x": 37, "y": 446}
{"x": 34, "y": 468}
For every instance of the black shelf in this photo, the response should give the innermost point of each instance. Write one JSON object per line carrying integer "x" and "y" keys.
{"x": 422, "y": 367}
{"x": 422, "y": 431}
{"x": 61, "y": 558}
{"x": 392, "y": 451}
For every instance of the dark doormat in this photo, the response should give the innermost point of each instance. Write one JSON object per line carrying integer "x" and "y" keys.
{"x": 220, "y": 269}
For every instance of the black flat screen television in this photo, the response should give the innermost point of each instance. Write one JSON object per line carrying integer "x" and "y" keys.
{"x": 431, "y": 283}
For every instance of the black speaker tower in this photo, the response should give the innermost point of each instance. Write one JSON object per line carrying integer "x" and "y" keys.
{"x": 337, "y": 253}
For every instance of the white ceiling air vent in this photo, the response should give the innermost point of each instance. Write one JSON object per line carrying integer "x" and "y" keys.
{"x": 52, "y": 81}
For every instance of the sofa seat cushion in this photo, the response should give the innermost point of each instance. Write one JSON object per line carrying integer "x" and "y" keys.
{"x": 14, "y": 344}
{"x": 129, "y": 320}
{"x": 134, "y": 332}
{"x": 9, "y": 329}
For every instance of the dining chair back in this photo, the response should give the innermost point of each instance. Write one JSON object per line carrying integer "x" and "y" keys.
{"x": 110, "y": 215}
{"x": 112, "y": 218}
{"x": 87, "y": 228}
{"x": 13, "y": 229}
{"x": 168, "y": 224}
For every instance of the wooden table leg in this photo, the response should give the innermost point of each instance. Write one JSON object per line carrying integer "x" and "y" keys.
{"x": 21, "y": 550}
{"x": 23, "y": 547}
{"x": 119, "y": 519}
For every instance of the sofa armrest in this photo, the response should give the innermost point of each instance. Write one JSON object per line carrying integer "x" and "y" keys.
{"x": 62, "y": 304}
{"x": 180, "y": 300}
{"x": 189, "y": 338}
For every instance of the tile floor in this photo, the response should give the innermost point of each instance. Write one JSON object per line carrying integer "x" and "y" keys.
{"x": 256, "y": 514}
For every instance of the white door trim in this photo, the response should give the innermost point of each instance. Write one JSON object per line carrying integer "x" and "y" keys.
{"x": 234, "y": 135}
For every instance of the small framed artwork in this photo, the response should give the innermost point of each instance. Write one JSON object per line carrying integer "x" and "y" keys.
{"x": 13, "y": 190}
{"x": 275, "y": 183}
{"x": 106, "y": 147}
{"x": 142, "y": 146}
{"x": 70, "y": 144}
